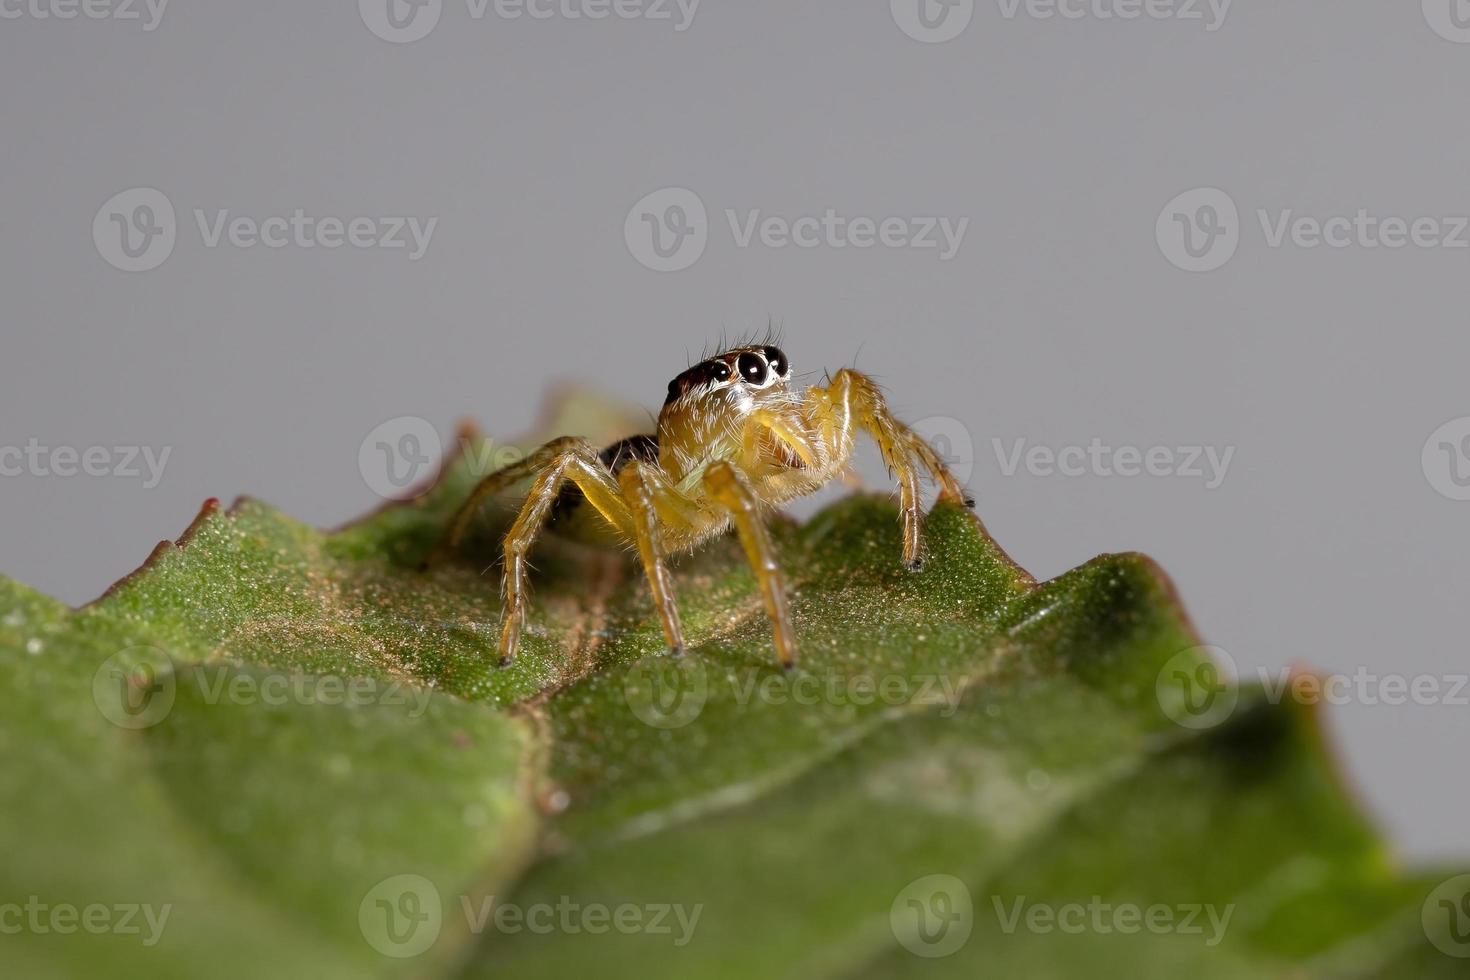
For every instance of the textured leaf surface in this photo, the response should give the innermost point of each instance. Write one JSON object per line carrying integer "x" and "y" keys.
{"x": 296, "y": 743}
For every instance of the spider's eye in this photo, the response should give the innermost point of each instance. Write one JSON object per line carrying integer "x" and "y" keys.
{"x": 752, "y": 368}
{"x": 777, "y": 359}
{"x": 703, "y": 373}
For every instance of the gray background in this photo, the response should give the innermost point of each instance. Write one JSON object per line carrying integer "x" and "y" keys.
{"x": 1059, "y": 320}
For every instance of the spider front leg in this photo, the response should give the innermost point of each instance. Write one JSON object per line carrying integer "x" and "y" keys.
{"x": 728, "y": 488}
{"x": 854, "y": 398}
{"x": 558, "y": 460}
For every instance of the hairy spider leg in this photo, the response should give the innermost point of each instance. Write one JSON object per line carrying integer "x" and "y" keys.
{"x": 652, "y": 503}
{"x": 644, "y": 507}
{"x": 853, "y": 399}
{"x": 788, "y": 432}
{"x": 728, "y": 487}
{"x": 505, "y": 477}
{"x": 567, "y": 458}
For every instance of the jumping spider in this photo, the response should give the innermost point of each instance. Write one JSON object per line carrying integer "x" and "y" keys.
{"x": 734, "y": 440}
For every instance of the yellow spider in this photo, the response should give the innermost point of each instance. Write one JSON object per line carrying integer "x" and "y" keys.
{"x": 734, "y": 440}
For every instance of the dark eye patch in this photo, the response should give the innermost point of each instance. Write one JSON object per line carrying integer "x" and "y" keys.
{"x": 777, "y": 359}
{"x": 705, "y": 372}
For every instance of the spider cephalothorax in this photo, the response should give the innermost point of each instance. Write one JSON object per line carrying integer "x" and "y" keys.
{"x": 734, "y": 440}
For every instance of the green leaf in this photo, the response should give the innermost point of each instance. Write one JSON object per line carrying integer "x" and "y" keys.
{"x": 297, "y": 743}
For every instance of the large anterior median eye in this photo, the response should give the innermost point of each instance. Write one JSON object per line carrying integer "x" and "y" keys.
{"x": 777, "y": 359}
{"x": 752, "y": 368}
